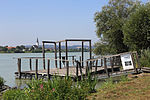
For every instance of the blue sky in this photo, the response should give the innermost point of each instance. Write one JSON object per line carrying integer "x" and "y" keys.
{"x": 22, "y": 21}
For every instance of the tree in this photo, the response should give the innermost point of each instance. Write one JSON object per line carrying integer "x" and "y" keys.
{"x": 109, "y": 24}
{"x": 137, "y": 29}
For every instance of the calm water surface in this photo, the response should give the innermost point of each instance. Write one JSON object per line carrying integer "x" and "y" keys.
{"x": 8, "y": 64}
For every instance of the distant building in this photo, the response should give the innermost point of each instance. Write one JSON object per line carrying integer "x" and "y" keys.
{"x": 37, "y": 44}
{"x": 10, "y": 48}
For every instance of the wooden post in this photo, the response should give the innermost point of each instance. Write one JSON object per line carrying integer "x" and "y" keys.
{"x": 101, "y": 62}
{"x": 30, "y": 64}
{"x": 60, "y": 55}
{"x": 105, "y": 66}
{"x": 67, "y": 63}
{"x": 82, "y": 54}
{"x": 67, "y": 68}
{"x": 80, "y": 59}
{"x": 86, "y": 70}
{"x": 132, "y": 56}
{"x": 112, "y": 64}
{"x": 80, "y": 68}
{"x": 48, "y": 69}
{"x": 55, "y": 54}
{"x": 66, "y": 53}
{"x": 137, "y": 60}
{"x": 19, "y": 67}
{"x": 36, "y": 69}
{"x": 73, "y": 60}
{"x": 90, "y": 54}
{"x": 43, "y": 55}
{"x": 96, "y": 66}
{"x": 77, "y": 68}
{"x": 90, "y": 49}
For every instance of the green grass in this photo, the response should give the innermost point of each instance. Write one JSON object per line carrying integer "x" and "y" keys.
{"x": 134, "y": 89}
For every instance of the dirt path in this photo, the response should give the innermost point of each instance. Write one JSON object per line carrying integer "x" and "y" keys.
{"x": 136, "y": 89}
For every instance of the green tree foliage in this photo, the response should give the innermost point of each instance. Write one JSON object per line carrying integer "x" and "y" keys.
{"x": 109, "y": 24}
{"x": 137, "y": 29}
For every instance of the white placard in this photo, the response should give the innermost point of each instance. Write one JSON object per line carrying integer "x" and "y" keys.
{"x": 127, "y": 62}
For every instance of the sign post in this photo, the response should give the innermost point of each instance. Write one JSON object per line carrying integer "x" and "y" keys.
{"x": 127, "y": 61}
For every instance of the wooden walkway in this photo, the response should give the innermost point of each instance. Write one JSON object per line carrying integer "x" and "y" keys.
{"x": 62, "y": 72}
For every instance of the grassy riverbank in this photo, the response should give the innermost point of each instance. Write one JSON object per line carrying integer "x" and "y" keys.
{"x": 134, "y": 89}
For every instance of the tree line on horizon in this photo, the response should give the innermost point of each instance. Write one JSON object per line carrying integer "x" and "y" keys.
{"x": 122, "y": 26}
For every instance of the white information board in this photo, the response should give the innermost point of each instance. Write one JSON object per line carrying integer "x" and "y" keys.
{"x": 127, "y": 62}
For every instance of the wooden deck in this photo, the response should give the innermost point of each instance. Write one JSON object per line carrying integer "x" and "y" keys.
{"x": 62, "y": 72}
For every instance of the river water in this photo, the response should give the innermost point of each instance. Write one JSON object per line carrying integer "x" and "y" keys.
{"x": 8, "y": 64}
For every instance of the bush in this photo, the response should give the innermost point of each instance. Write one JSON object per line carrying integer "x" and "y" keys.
{"x": 145, "y": 58}
{"x": 1, "y": 82}
{"x": 55, "y": 89}
{"x": 14, "y": 95}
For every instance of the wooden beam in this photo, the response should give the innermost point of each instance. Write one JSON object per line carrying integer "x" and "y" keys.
{"x": 60, "y": 54}
{"x": 55, "y": 54}
{"x": 43, "y": 51}
{"x": 48, "y": 42}
{"x": 77, "y": 40}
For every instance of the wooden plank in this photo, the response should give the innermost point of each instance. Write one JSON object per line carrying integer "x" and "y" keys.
{"x": 43, "y": 51}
